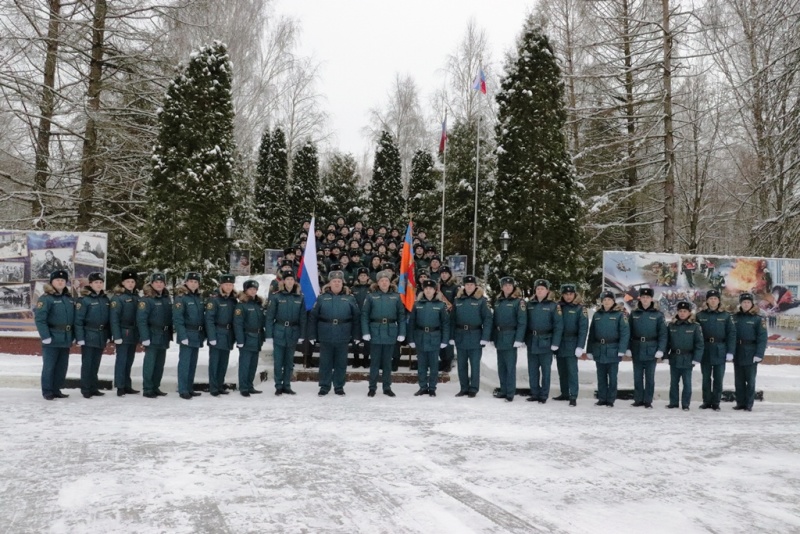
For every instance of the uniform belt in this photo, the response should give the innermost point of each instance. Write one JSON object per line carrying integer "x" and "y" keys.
{"x": 712, "y": 340}
{"x": 683, "y": 351}
{"x": 62, "y": 327}
{"x": 644, "y": 339}
{"x": 289, "y": 323}
{"x": 502, "y": 328}
{"x": 468, "y": 327}
{"x": 197, "y": 327}
{"x": 161, "y": 326}
{"x": 384, "y": 321}
{"x": 429, "y": 328}
{"x": 253, "y": 330}
{"x": 604, "y": 341}
{"x": 95, "y": 326}
{"x": 745, "y": 342}
{"x": 541, "y": 332}
{"x": 226, "y": 326}
{"x": 336, "y": 321}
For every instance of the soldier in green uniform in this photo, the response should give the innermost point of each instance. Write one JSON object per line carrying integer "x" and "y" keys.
{"x": 508, "y": 335}
{"x": 335, "y": 322}
{"x": 428, "y": 333}
{"x": 154, "y": 323}
{"x": 719, "y": 344}
{"x": 609, "y": 335}
{"x": 448, "y": 288}
{"x": 543, "y": 336}
{"x": 285, "y": 325}
{"x": 684, "y": 349}
{"x": 123, "y": 331}
{"x": 648, "y": 344}
{"x": 188, "y": 318}
{"x": 220, "y": 307}
{"x": 54, "y": 317}
{"x": 92, "y": 332}
{"x": 471, "y": 330}
{"x": 286, "y": 267}
{"x": 751, "y": 344}
{"x": 360, "y": 290}
{"x": 248, "y": 327}
{"x": 575, "y": 319}
{"x": 383, "y": 323}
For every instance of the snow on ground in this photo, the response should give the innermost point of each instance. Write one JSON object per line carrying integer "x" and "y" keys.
{"x": 392, "y": 465}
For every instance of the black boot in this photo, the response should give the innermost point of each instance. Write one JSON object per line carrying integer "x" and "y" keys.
{"x": 120, "y": 392}
{"x": 150, "y": 394}
{"x": 60, "y": 395}
{"x": 131, "y": 391}
{"x": 561, "y": 397}
{"x": 289, "y": 391}
{"x": 461, "y": 394}
{"x": 278, "y": 392}
{"x": 160, "y": 393}
{"x": 422, "y": 392}
{"x": 97, "y": 393}
{"x": 705, "y": 406}
{"x": 371, "y": 393}
{"x": 389, "y": 393}
{"x": 186, "y": 396}
{"x": 600, "y": 403}
{"x": 572, "y": 402}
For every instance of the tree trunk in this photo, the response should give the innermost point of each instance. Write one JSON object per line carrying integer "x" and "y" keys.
{"x": 631, "y": 174}
{"x": 669, "y": 140}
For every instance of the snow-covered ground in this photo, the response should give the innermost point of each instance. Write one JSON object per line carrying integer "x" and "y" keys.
{"x": 394, "y": 465}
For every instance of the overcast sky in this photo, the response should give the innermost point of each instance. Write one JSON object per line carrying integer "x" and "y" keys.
{"x": 363, "y": 43}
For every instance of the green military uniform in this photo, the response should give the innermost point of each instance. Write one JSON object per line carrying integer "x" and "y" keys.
{"x": 609, "y": 336}
{"x": 719, "y": 344}
{"x": 575, "y": 321}
{"x": 154, "y": 323}
{"x": 219, "y": 330}
{"x": 448, "y": 289}
{"x": 648, "y": 341}
{"x": 123, "y": 331}
{"x": 428, "y": 332}
{"x": 248, "y": 328}
{"x": 54, "y": 316}
{"x": 92, "y": 332}
{"x": 285, "y": 325}
{"x": 383, "y": 322}
{"x": 188, "y": 318}
{"x": 751, "y": 344}
{"x": 471, "y": 329}
{"x": 684, "y": 349}
{"x": 543, "y": 336}
{"x": 361, "y": 350}
{"x": 508, "y": 334}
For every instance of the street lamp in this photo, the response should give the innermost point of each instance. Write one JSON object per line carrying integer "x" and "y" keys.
{"x": 230, "y": 228}
{"x": 505, "y": 240}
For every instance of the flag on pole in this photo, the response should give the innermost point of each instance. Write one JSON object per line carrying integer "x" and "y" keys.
{"x": 307, "y": 273}
{"x": 408, "y": 279}
{"x": 443, "y": 139}
{"x": 479, "y": 84}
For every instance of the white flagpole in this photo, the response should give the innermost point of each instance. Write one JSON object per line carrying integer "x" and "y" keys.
{"x": 475, "y": 221}
{"x": 444, "y": 184}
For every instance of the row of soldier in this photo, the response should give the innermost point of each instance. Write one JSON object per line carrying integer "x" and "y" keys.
{"x": 549, "y": 328}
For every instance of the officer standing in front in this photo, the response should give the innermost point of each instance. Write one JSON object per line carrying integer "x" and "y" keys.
{"x": 751, "y": 344}
{"x": 508, "y": 335}
{"x": 719, "y": 344}
{"x": 335, "y": 322}
{"x": 544, "y": 331}
{"x": 575, "y": 319}
{"x": 248, "y": 326}
{"x": 428, "y": 332}
{"x": 285, "y": 325}
{"x": 684, "y": 350}
{"x": 648, "y": 344}
{"x": 471, "y": 331}
{"x": 55, "y": 317}
{"x": 154, "y": 323}
{"x": 448, "y": 288}
{"x": 124, "y": 302}
{"x": 383, "y": 323}
{"x": 92, "y": 332}
{"x": 609, "y": 335}
{"x": 219, "y": 329}
{"x": 188, "y": 317}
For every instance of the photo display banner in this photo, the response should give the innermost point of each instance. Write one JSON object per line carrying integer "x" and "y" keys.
{"x": 239, "y": 262}
{"x": 774, "y": 282}
{"x": 28, "y": 258}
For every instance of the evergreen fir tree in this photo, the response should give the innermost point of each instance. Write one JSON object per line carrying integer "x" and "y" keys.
{"x": 340, "y": 193}
{"x": 386, "y": 189}
{"x": 424, "y": 194}
{"x": 191, "y": 190}
{"x": 279, "y": 176}
{"x": 537, "y": 193}
{"x": 305, "y": 184}
{"x": 271, "y": 220}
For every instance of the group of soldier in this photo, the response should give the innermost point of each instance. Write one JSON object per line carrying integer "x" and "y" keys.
{"x": 360, "y": 308}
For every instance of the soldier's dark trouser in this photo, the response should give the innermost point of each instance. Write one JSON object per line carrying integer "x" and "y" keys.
{"x": 428, "y": 369}
{"x": 217, "y": 367}
{"x": 745, "y": 380}
{"x": 446, "y": 356}
{"x": 568, "y": 376}
{"x": 507, "y": 372}
{"x": 283, "y": 367}
{"x": 187, "y": 365}
{"x": 469, "y": 369}
{"x": 332, "y": 366}
{"x": 644, "y": 380}
{"x": 361, "y": 354}
{"x": 607, "y": 381}
{"x": 539, "y": 374}
{"x": 248, "y": 363}
{"x": 90, "y": 365}
{"x": 126, "y": 352}
{"x": 713, "y": 376}
{"x": 381, "y": 361}
{"x": 396, "y": 357}
{"x": 153, "y": 368}
{"x": 55, "y": 362}
{"x": 675, "y": 377}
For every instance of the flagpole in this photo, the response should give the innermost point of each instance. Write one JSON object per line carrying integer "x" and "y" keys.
{"x": 444, "y": 185}
{"x": 475, "y": 221}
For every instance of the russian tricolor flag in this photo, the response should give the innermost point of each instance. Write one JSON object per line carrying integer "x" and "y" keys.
{"x": 308, "y": 272}
{"x": 479, "y": 84}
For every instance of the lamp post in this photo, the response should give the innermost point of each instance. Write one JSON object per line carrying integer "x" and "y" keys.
{"x": 230, "y": 228}
{"x": 505, "y": 241}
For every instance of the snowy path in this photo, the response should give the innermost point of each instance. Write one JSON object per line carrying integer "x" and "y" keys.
{"x": 353, "y": 464}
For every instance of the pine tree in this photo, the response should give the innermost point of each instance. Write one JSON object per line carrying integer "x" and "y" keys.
{"x": 278, "y": 168}
{"x": 305, "y": 184}
{"x": 340, "y": 193}
{"x": 191, "y": 190}
{"x": 424, "y": 193}
{"x": 270, "y": 219}
{"x": 537, "y": 193}
{"x": 386, "y": 189}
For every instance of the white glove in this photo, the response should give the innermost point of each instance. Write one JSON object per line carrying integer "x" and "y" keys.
{"x": 484, "y": 342}
{"x": 239, "y": 345}
{"x": 578, "y": 352}
{"x": 620, "y": 354}
{"x": 729, "y": 357}
{"x": 659, "y": 354}
{"x": 452, "y": 341}
{"x": 401, "y": 338}
{"x": 118, "y": 342}
{"x": 628, "y": 353}
{"x": 185, "y": 342}
{"x": 757, "y": 359}
{"x": 300, "y": 340}
{"x": 553, "y": 348}
{"x": 146, "y": 343}
{"x": 81, "y": 343}
{"x": 519, "y": 344}
{"x": 47, "y": 341}
{"x": 589, "y": 356}
{"x": 312, "y": 341}
{"x": 212, "y": 342}
{"x": 414, "y": 345}
{"x": 366, "y": 337}
{"x": 441, "y": 345}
